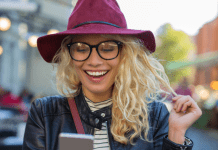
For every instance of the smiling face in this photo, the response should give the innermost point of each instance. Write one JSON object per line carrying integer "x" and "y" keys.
{"x": 96, "y": 88}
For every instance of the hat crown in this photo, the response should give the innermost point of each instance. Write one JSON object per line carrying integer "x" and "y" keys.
{"x": 96, "y": 10}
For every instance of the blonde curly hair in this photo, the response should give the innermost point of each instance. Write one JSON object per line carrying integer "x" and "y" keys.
{"x": 137, "y": 84}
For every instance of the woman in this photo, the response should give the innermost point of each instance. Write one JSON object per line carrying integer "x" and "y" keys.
{"x": 115, "y": 82}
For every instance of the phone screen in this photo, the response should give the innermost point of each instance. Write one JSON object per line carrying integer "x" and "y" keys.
{"x": 72, "y": 141}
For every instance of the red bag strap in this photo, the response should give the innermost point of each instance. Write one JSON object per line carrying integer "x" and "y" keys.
{"x": 76, "y": 117}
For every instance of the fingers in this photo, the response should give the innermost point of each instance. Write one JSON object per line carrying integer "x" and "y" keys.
{"x": 177, "y": 97}
{"x": 185, "y": 112}
{"x": 186, "y": 105}
{"x": 182, "y": 102}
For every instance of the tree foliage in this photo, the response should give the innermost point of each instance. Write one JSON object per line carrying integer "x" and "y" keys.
{"x": 173, "y": 45}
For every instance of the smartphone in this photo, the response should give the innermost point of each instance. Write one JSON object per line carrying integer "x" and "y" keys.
{"x": 72, "y": 141}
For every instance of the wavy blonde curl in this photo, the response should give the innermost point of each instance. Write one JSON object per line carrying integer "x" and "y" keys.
{"x": 137, "y": 84}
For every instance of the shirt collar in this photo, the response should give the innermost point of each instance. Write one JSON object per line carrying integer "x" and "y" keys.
{"x": 96, "y": 118}
{"x": 94, "y": 106}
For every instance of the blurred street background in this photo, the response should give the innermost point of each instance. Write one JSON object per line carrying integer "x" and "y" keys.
{"x": 186, "y": 34}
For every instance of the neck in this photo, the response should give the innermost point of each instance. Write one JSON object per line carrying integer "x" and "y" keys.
{"x": 97, "y": 97}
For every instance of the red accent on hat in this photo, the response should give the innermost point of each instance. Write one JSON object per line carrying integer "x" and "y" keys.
{"x": 93, "y": 17}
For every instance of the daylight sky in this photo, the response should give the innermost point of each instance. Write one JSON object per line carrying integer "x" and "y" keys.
{"x": 186, "y": 15}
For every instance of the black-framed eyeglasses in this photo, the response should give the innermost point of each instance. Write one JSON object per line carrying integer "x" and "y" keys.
{"x": 80, "y": 51}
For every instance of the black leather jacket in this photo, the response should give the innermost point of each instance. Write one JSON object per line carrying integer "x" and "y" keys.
{"x": 49, "y": 116}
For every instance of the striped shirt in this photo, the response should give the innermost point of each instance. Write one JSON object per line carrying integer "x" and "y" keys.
{"x": 100, "y": 136}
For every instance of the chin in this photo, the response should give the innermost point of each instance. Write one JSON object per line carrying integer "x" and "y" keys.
{"x": 98, "y": 89}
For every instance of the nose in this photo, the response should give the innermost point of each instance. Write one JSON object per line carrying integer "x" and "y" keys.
{"x": 94, "y": 59}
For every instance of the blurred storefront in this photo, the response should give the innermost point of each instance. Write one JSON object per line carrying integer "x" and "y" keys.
{"x": 23, "y": 73}
{"x": 21, "y": 23}
{"x": 207, "y": 69}
{"x": 205, "y": 81}
{"x": 207, "y": 72}
{"x": 205, "y": 59}
{"x": 207, "y": 48}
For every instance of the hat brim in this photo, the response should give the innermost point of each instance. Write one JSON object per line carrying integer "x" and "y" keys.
{"x": 49, "y": 44}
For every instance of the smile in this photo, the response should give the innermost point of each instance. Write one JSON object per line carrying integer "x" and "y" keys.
{"x": 96, "y": 74}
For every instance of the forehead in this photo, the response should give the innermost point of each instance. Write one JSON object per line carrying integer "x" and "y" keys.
{"x": 90, "y": 38}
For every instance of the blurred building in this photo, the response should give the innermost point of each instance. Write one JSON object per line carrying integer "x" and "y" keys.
{"x": 205, "y": 57}
{"x": 207, "y": 52}
{"x": 21, "y": 65}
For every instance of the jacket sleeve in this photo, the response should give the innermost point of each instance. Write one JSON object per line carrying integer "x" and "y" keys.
{"x": 161, "y": 140}
{"x": 34, "y": 136}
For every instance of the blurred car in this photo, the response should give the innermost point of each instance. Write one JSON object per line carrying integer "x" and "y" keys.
{"x": 10, "y": 100}
{"x": 12, "y": 127}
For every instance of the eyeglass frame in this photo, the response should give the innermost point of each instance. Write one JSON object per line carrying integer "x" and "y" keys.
{"x": 119, "y": 44}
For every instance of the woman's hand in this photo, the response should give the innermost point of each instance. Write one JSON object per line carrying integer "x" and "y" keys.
{"x": 184, "y": 113}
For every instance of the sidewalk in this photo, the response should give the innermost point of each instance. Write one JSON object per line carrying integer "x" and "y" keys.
{"x": 203, "y": 139}
{"x": 211, "y": 132}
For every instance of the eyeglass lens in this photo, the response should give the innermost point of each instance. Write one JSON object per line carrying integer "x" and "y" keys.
{"x": 107, "y": 50}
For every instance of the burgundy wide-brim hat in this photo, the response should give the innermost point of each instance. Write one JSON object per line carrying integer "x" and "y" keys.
{"x": 93, "y": 17}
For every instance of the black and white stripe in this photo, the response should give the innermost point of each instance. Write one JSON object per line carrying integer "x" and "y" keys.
{"x": 100, "y": 136}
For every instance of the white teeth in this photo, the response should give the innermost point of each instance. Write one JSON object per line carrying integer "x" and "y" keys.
{"x": 96, "y": 73}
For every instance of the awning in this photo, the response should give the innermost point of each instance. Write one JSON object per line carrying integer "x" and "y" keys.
{"x": 202, "y": 60}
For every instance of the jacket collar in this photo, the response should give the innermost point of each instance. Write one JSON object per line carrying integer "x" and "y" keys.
{"x": 94, "y": 119}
